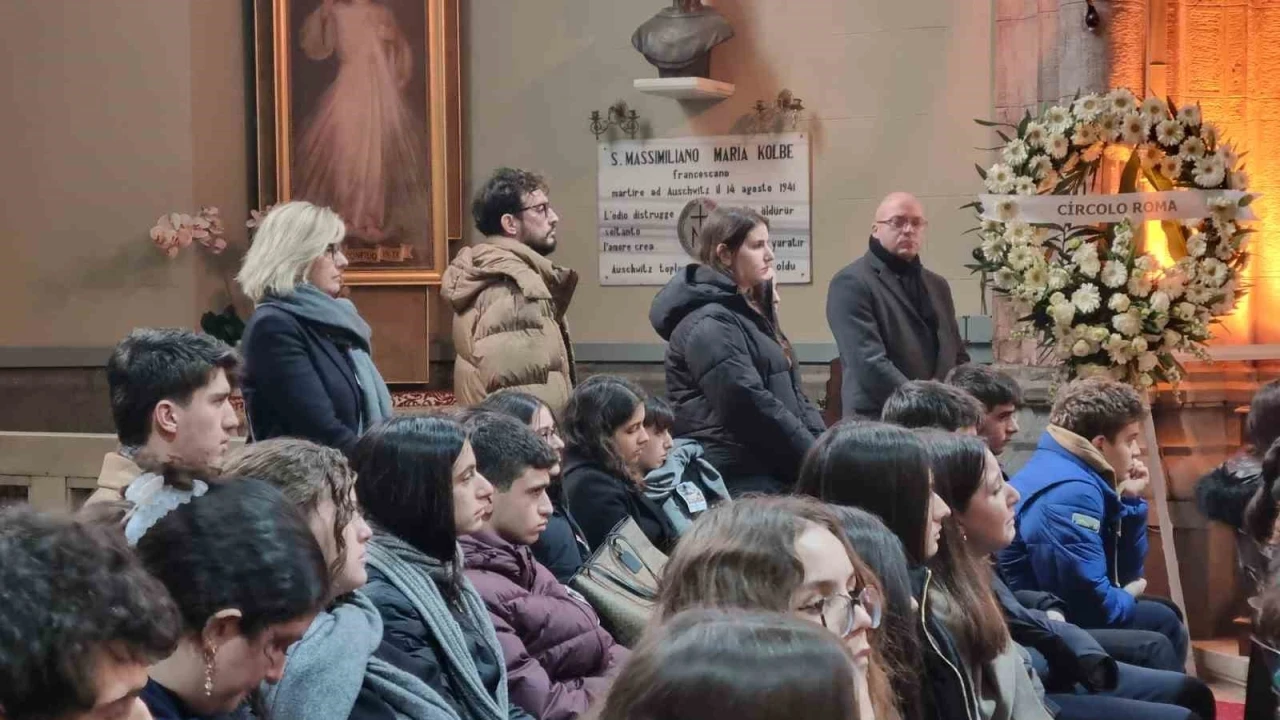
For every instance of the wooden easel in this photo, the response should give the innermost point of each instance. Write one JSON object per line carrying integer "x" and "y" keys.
{"x": 1160, "y": 503}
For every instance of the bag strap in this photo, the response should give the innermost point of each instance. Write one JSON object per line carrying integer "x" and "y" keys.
{"x": 615, "y": 540}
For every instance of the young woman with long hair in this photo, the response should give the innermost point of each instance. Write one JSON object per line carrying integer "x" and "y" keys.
{"x": 1067, "y": 658}
{"x": 731, "y": 372}
{"x": 418, "y": 483}
{"x": 972, "y": 669}
{"x": 703, "y": 664}
{"x": 604, "y": 434}
{"x": 787, "y": 555}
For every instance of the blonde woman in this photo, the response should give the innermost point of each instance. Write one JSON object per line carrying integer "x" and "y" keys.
{"x": 308, "y": 371}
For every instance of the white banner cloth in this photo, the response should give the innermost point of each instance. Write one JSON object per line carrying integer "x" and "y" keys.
{"x": 1090, "y": 209}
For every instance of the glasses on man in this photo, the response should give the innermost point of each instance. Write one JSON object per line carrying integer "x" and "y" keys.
{"x": 903, "y": 222}
{"x": 539, "y": 209}
{"x": 838, "y": 612}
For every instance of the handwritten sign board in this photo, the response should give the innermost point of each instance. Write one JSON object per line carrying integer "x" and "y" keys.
{"x": 647, "y": 187}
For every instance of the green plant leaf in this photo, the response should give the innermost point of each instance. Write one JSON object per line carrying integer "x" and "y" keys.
{"x": 981, "y": 173}
{"x": 992, "y": 123}
{"x": 1245, "y": 200}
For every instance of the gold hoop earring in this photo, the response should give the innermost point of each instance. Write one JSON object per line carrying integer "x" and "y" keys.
{"x": 210, "y": 657}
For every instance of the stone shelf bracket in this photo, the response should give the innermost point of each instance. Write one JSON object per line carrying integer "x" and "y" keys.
{"x": 685, "y": 88}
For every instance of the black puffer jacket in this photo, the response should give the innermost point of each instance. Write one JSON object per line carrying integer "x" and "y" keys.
{"x": 734, "y": 388}
{"x": 599, "y": 500}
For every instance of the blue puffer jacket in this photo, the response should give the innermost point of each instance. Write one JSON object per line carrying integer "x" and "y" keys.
{"x": 1077, "y": 538}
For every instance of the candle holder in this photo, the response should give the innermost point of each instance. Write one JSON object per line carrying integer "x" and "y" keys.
{"x": 617, "y": 116}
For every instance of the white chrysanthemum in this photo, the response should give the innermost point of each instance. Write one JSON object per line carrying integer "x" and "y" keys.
{"x": 992, "y": 226}
{"x": 993, "y": 248}
{"x": 1018, "y": 232}
{"x": 1086, "y": 298}
{"x": 1086, "y": 259}
{"x": 1191, "y": 149}
{"x": 1147, "y": 362}
{"x": 1154, "y": 110}
{"x": 999, "y": 179}
{"x": 1133, "y": 129}
{"x": 1015, "y": 153}
{"x": 1057, "y": 146}
{"x": 1145, "y": 263}
{"x": 1058, "y": 278}
{"x": 1114, "y": 274}
{"x": 1025, "y": 186}
{"x": 1036, "y": 278}
{"x": 1108, "y": 127}
{"x": 1226, "y": 251}
{"x": 1127, "y": 323}
{"x": 1096, "y": 334}
{"x": 1172, "y": 339}
{"x": 1139, "y": 286}
{"x": 1215, "y": 272}
{"x": 1173, "y": 283}
{"x": 1223, "y": 210}
{"x": 1159, "y": 301}
{"x": 1006, "y": 210}
{"x": 1121, "y": 101}
{"x": 1040, "y": 166}
{"x": 1210, "y": 172}
{"x": 1227, "y": 154}
{"x": 1189, "y": 115}
{"x": 1170, "y": 166}
{"x": 1021, "y": 257}
{"x": 1082, "y": 348}
{"x": 1056, "y": 119}
{"x": 1150, "y": 155}
{"x": 1198, "y": 294}
{"x": 1087, "y": 107}
{"x": 1138, "y": 345}
{"x": 1006, "y": 278}
{"x": 1183, "y": 311}
{"x": 1119, "y": 303}
{"x": 1169, "y": 133}
{"x": 1238, "y": 180}
{"x": 1062, "y": 313}
{"x": 1084, "y": 134}
{"x": 1034, "y": 135}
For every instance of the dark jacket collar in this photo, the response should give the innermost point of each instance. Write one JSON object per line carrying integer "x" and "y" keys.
{"x": 893, "y": 262}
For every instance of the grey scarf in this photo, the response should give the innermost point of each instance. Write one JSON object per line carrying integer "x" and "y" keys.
{"x": 413, "y": 573}
{"x": 310, "y": 303}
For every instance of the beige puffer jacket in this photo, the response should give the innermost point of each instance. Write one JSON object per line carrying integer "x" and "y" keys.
{"x": 509, "y": 329}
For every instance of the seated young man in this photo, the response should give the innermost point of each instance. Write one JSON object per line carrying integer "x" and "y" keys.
{"x": 171, "y": 402}
{"x": 82, "y": 620}
{"x": 1001, "y": 399}
{"x": 1081, "y": 519}
{"x": 559, "y": 660}
{"x": 677, "y": 476}
{"x": 929, "y": 403}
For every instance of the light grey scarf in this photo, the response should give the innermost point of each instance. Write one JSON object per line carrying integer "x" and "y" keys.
{"x": 312, "y": 304}
{"x": 413, "y": 573}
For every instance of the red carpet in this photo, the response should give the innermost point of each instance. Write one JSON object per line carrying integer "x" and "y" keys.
{"x": 1230, "y": 711}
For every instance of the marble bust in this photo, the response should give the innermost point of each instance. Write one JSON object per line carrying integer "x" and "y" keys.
{"x": 678, "y": 40}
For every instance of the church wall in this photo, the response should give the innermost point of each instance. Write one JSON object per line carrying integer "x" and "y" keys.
{"x": 890, "y": 88}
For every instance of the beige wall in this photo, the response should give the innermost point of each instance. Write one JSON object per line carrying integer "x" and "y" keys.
{"x": 119, "y": 111}
{"x": 891, "y": 86}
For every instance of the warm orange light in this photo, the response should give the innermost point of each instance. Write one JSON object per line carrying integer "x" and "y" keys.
{"x": 1157, "y": 243}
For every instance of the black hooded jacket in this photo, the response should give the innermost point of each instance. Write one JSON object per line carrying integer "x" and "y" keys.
{"x": 734, "y": 387}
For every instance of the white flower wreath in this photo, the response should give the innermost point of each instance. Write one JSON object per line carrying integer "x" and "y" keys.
{"x": 1086, "y": 292}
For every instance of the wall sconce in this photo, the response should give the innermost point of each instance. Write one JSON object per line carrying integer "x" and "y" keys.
{"x": 619, "y": 116}
{"x": 778, "y": 116}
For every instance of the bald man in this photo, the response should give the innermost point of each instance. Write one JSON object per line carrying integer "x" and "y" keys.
{"x": 893, "y": 320}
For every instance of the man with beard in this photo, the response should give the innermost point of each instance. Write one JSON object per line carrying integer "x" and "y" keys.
{"x": 509, "y": 300}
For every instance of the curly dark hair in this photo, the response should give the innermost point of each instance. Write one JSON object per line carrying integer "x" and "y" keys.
{"x": 71, "y": 590}
{"x": 1095, "y": 406}
{"x": 503, "y": 194}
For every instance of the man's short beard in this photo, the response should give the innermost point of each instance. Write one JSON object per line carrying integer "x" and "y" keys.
{"x": 544, "y": 246}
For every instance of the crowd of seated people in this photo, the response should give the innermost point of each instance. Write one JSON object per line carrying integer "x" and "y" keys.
{"x": 483, "y": 562}
{"x": 409, "y": 574}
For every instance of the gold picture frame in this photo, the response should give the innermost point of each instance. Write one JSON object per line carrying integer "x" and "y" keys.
{"x": 275, "y": 49}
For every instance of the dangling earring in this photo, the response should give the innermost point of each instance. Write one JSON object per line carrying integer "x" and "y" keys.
{"x": 210, "y": 655}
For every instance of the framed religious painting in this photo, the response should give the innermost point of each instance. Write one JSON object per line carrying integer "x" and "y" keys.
{"x": 358, "y": 109}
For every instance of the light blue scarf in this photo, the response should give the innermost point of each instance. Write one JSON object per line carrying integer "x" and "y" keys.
{"x": 312, "y": 304}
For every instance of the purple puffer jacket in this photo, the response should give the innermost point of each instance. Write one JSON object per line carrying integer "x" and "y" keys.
{"x": 559, "y": 659}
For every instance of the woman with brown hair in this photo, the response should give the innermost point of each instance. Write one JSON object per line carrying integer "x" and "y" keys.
{"x": 731, "y": 373}
{"x": 743, "y": 665}
{"x": 787, "y": 555}
{"x": 972, "y": 670}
